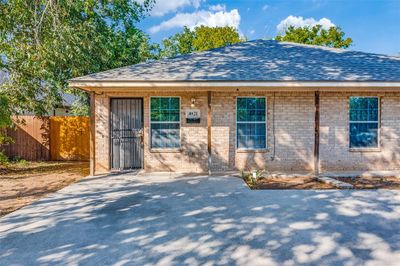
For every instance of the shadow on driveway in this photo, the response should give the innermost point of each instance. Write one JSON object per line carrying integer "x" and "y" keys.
{"x": 159, "y": 220}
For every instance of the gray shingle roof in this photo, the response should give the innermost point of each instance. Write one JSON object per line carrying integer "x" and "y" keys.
{"x": 3, "y": 76}
{"x": 68, "y": 99}
{"x": 261, "y": 60}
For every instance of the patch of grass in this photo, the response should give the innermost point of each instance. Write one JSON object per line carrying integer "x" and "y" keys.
{"x": 23, "y": 168}
{"x": 3, "y": 159}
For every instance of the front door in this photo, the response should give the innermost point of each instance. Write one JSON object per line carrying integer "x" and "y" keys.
{"x": 126, "y": 133}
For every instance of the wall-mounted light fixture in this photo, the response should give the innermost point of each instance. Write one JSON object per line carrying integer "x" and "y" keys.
{"x": 192, "y": 102}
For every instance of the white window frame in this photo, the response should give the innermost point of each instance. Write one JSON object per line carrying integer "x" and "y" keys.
{"x": 376, "y": 148}
{"x": 165, "y": 122}
{"x": 254, "y": 122}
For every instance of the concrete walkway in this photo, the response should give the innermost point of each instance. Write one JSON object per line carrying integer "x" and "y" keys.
{"x": 160, "y": 220}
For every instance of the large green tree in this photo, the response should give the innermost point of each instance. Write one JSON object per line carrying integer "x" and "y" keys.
{"x": 5, "y": 121}
{"x": 199, "y": 39}
{"x": 43, "y": 43}
{"x": 5, "y": 115}
{"x": 316, "y": 35}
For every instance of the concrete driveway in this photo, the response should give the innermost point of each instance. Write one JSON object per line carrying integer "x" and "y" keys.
{"x": 159, "y": 220}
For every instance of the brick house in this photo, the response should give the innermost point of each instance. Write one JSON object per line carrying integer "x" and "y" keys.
{"x": 254, "y": 105}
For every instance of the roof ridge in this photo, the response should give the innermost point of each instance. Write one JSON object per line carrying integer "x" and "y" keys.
{"x": 261, "y": 59}
{"x": 168, "y": 58}
{"x": 327, "y": 48}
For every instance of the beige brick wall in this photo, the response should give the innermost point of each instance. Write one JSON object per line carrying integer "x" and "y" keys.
{"x": 293, "y": 116}
{"x": 192, "y": 157}
{"x": 290, "y": 134}
{"x": 102, "y": 141}
{"x": 335, "y": 153}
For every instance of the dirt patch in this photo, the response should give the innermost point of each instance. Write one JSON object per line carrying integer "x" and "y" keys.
{"x": 23, "y": 183}
{"x": 308, "y": 182}
{"x": 298, "y": 182}
{"x": 372, "y": 182}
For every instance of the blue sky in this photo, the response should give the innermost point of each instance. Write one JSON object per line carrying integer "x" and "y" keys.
{"x": 374, "y": 25}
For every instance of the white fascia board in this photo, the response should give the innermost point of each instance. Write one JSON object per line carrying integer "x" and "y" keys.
{"x": 87, "y": 85}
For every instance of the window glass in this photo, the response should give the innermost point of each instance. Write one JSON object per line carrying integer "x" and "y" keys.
{"x": 165, "y": 122}
{"x": 251, "y": 123}
{"x": 364, "y": 122}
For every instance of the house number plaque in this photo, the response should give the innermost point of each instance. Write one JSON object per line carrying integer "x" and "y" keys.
{"x": 192, "y": 116}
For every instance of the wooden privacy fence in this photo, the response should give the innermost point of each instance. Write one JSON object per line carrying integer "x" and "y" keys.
{"x": 69, "y": 138}
{"x": 49, "y": 138}
{"x": 30, "y": 138}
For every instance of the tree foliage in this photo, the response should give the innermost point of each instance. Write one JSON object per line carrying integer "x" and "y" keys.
{"x": 199, "y": 39}
{"x": 5, "y": 113}
{"x": 316, "y": 35}
{"x": 80, "y": 107}
{"x": 213, "y": 37}
{"x": 43, "y": 43}
{"x": 5, "y": 121}
{"x": 178, "y": 44}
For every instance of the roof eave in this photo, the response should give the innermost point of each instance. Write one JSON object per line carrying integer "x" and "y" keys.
{"x": 92, "y": 85}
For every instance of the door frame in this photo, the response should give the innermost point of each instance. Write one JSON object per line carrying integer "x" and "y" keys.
{"x": 110, "y": 158}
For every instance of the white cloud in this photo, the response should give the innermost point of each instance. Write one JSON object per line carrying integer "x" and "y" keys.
{"x": 298, "y": 22}
{"x": 163, "y": 7}
{"x": 252, "y": 32}
{"x": 218, "y": 7}
{"x": 265, "y": 7}
{"x": 202, "y": 17}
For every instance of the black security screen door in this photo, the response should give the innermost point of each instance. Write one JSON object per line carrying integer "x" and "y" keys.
{"x": 126, "y": 134}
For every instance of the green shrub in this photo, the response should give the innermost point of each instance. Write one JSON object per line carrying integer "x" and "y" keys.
{"x": 251, "y": 177}
{"x": 23, "y": 162}
{"x": 18, "y": 160}
{"x": 3, "y": 159}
